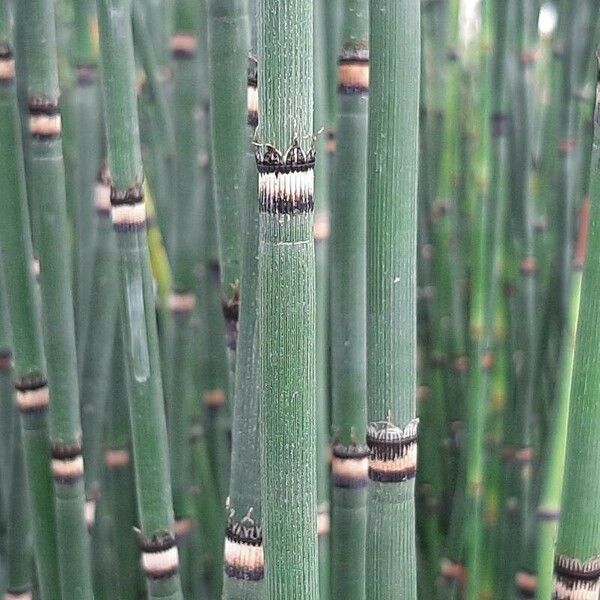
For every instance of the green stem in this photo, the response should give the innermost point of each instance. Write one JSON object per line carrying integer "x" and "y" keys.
{"x": 29, "y": 368}
{"x": 46, "y": 188}
{"x": 391, "y": 297}
{"x": 228, "y": 46}
{"x": 576, "y": 565}
{"x": 286, "y": 305}
{"x": 348, "y": 308}
{"x": 160, "y": 559}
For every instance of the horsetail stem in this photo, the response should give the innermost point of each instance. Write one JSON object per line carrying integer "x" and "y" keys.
{"x": 286, "y": 306}
{"x": 349, "y": 465}
{"x": 392, "y": 167}
{"x": 576, "y": 566}
{"x": 29, "y": 369}
{"x": 244, "y": 553}
{"x": 46, "y": 188}
{"x": 228, "y": 45}
{"x": 160, "y": 560}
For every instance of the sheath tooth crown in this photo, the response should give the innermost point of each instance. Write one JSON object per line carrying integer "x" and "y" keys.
{"x": 286, "y": 181}
{"x": 128, "y": 209}
{"x": 576, "y": 580}
{"x": 393, "y": 451}
{"x": 244, "y": 556}
{"x": 160, "y": 558}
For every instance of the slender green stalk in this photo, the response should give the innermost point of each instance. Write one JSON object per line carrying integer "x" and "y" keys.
{"x": 321, "y": 235}
{"x": 16, "y": 509}
{"x": 160, "y": 558}
{"x": 19, "y": 578}
{"x": 120, "y": 493}
{"x": 548, "y": 513}
{"x": 98, "y": 345}
{"x": 391, "y": 297}
{"x": 7, "y": 393}
{"x": 87, "y": 148}
{"x": 46, "y": 188}
{"x": 349, "y": 465}
{"x": 185, "y": 241}
{"x": 155, "y": 78}
{"x": 481, "y": 316}
{"x": 286, "y": 305}
{"x": 228, "y": 46}
{"x": 29, "y": 368}
{"x": 244, "y": 556}
{"x": 576, "y": 565}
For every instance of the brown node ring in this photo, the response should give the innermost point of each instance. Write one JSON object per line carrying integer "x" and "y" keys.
{"x": 32, "y": 395}
{"x": 353, "y": 72}
{"x": 7, "y": 66}
{"x": 350, "y": 466}
{"x": 44, "y": 119}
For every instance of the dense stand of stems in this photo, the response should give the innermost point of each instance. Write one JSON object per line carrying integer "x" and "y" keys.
{"x": 46, "y": 189}
{"x": 160, "y": 560}
{"x": 348, "y": 308}
{"x": 391, "y": 297}
{"x": 286, "y": 304}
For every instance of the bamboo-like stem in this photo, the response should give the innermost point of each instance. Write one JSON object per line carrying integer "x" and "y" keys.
{"x": 29, "y": 368}
{"x": 46, "y": 188}
{"x": 244, "y": 555}
{"x": 228, "y": 46}
{"x": 185, "y": 239}
{"x": 481, "y": 315}
{"x": 120, "y": 493}
{"x": 155, "y": 78}
{"x": 160, "y": 559}
{"x": 286, "y": 306}
{"x": 391, "y": 297}
{"x": 322, "y": 356}
{"x": 6, "y": 399}
{"x": 548, "y": 512}
{"x": 98, "y": 345}
{"x": 15, "y": 511}
{"x": 576, "y": 568}
{"x": 348, "y": 308}
{"x": 87, "y": 141}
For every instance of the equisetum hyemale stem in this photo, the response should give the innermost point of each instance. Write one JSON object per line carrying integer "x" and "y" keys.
{"x": 286, "y": 304}
{"x": 244, "y": 555}
{"x": 228, "y": 46}
{"x": 349, "y": 464}
{"x": 577, "y": 554}
{"x": 391, "y": 297}
{"x": 29, "y": 364}
{"x": 156, "y": 538}
{"x": 46, "y": 189}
